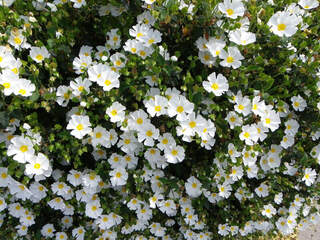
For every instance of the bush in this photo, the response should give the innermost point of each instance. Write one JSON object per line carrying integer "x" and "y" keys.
{"x": 158, "y": 119}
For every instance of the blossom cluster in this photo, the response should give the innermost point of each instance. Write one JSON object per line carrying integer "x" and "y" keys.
{"x": 109, "y": 140}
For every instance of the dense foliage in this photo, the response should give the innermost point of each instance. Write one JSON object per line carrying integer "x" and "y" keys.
{"x": 158, "y": 119}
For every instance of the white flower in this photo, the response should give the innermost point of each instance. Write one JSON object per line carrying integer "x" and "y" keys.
{"x": 271, "y": 120}
{"x": 292, "y": 127}
{"x": 262, "y": 190}
{"x": 80, "y": 126}
{"x": 233, "y": 119}
{"x": 236, "y": 173}
{"x": 243, "y": 105}
{"x": 308, "y": 4}
{"x": 79, "y": 85}
{"x": 108, "y": 79}
{"x": 224, "y": 190}
{"x": 287, "y": 141}
{"x": 116, "y": 112}
{"x": 78, "y": 3}
{"x": 215, "y": 46}
{"x": 93, "y": 209}
{"x": 283, "y": 24}
{"x": 216, "y": 84}
{"x": 24, "y": 88}
{"x": 193, "y": 187}
{"x": 21, "y": 148}
{"x": 37, "y": 165}
{"x": 309, "y": 176}
{"x": 9, "y": 81}
{"x": 118, "y": 176}
{"x": 38, "y": 54}
{"x": 48, "y": 230}
{"x": 249, "y": 134}
{"x": 298, "y": 103}
{"x": 101, "y": 136}
{"x": 157, "y": 106}
{"x": 268, "y": 211}
{"x": 232, "y": 9}
{"x": 231, "y": 58}
{"x": 179, "y": 105}
{"x": 147, "y": 134}
{"x": 242, "y": 37}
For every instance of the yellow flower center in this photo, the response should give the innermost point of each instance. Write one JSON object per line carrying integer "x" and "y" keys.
{"x": 230, "y": 11}
{"x": 142, "y": 53}
{"x": 164, "y": 141}
{"x": 66, "y": 95}
{"x": 194, "y": 185}
{"x": 281, "y": 27}
{"x": 127, "y": 141}
{"x": 149, "y": 133}
{"x": 118, "y": 175}
{"x": 192, "y": 124}
{"x": 15, "y": 70}
{"x": 37, "y": 166}
{"x": 229, "y": 59}
{"x": 152, "y": 151}
{"x": 157, "y": 108}
{"x": 268, "y": 121}
{"x": 6, "y": 85}
{"x": 215, "y": 86}
{"x": 39, "y": 57}
{"x": 241, "y": 107}
{"x": 22, "y": 91}
{"x": 118, "y": 63}
{"x": 17, "y": 40}
{"x": 24, "y": 148}
{"x": 60, "y": 186}
{"x": 246, "y": 135}
{"x": 107, "y": 82}
{"x": 94, "y": 208}
{"x": 80, "y": 88}
{"x": 80, "y": 127}
{"x": 206, "y": 57}
{"x": 151, "y": 41}
{"x": 180, "y": 109}
{"x": 174, "y": 152}
{"x": 139, "y": 121}
{"x": 114, "y": 112}
{"x": 139, "y": 34}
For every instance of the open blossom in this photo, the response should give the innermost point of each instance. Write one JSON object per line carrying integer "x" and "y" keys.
{"x": 298, "y": 103}
{"x": 37, "y": 165}
{"x": 283, "y": 24}
{"x": 232, "y": 9}
{"x": 242, "y": 37}
{"x": 309, "y": 176}
{"x": 308, "y": 4}
{"x": 22, "y": 149}
{"x": 38, "y": 54}
{"x": 231, "y": 58}
{"x": 216, "y": 84}
{"x": 116, "y": 112}
{"x": 80, "y": 126}
{"x": 118, "y": 176}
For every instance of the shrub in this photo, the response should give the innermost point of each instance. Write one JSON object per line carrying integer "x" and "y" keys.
{"x": 158, "y": 119}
